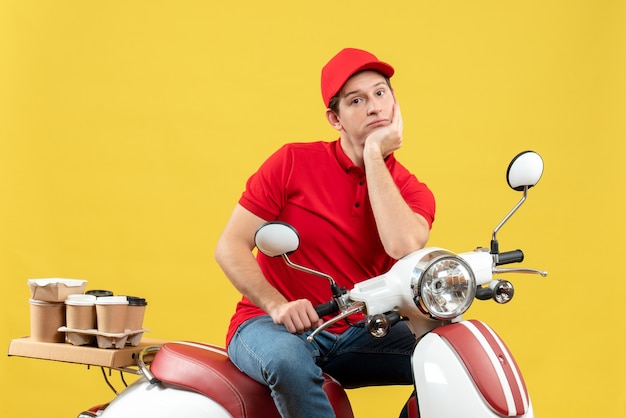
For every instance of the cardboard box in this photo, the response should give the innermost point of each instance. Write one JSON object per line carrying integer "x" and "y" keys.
{"x": 92, "y": 356}
{"x": 55, "y": 290}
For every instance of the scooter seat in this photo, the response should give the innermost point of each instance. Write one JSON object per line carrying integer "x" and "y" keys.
{"x": 206, "y": 369}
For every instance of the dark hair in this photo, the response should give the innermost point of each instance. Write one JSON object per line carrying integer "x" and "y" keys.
{"x": 333, "y": 104}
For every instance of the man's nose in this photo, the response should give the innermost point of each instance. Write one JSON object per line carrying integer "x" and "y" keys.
{"x": 373, "y": 107}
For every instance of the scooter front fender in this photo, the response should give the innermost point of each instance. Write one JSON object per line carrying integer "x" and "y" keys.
{"x": 464, "y": 369}
{"x": 142, "y": 399}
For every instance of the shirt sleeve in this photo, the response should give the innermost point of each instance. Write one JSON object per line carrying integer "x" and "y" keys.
{"x": 415, "y": 193}
{"x": 265, "y": 190}
{"x": 420, "y": 198}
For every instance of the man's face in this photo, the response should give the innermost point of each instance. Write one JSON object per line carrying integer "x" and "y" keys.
{"x": 365, "y": 104}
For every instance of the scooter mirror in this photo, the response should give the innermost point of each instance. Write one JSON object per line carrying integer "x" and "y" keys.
{"x": 525, "y": 170}
{"x": 276, "y": 238}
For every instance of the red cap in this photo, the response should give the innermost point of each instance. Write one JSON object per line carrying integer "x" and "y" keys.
{"x": 344, "y": 65}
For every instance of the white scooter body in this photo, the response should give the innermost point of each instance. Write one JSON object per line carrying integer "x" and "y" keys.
{"x": 142, "y": 399}
{"x": 472, "y": 379}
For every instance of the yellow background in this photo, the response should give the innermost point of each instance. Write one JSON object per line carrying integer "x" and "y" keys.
{"x": 128, "y": 129}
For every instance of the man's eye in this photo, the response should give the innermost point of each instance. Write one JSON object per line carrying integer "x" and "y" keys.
{"x": 356, "y": 100}
{"x": 380, "y": 92}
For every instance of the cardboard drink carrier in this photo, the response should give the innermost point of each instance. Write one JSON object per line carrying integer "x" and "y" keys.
{"x": 52, "y": 339}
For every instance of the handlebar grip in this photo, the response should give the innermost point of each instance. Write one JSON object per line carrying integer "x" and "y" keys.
{"x": 508, "y": 257}
{"x": 327, "y": 308}
{"x": 394, "y": 318}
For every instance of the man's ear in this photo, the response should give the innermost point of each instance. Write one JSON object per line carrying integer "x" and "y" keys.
{"x": 333, "y": 119}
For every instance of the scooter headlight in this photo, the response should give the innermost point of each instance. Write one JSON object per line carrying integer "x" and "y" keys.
{"x": 443, "y": 285}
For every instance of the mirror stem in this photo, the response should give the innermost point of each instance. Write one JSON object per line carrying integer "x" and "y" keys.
{"x": 308, "y": 270}
{"x": 494, "y": 241}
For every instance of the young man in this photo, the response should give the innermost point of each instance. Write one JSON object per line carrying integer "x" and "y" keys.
{"x": 357, "y": 210}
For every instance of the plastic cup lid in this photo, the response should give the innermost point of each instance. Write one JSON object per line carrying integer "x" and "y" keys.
{"x": 136, "y": 301}
{"x": 80, "y": 300}
{"x": 111, "y": 300}
{"x": 99, "y": 292}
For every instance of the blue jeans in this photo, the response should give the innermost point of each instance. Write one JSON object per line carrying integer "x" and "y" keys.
{"x": 292, "y": 367}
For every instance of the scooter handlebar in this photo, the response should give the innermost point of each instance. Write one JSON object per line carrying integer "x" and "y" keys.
{"x": 508, "y": 257}
{"x": 328, "y": 308}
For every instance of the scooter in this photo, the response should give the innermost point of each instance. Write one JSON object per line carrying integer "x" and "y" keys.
{"x": 460, "y": 367}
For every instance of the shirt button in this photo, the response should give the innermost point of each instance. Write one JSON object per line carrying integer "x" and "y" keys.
{"x": 357, "y": 204}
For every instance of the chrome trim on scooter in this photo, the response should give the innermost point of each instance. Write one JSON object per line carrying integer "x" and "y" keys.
{"x": 142, "y": 364}
{"x": 498, "y": 270}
